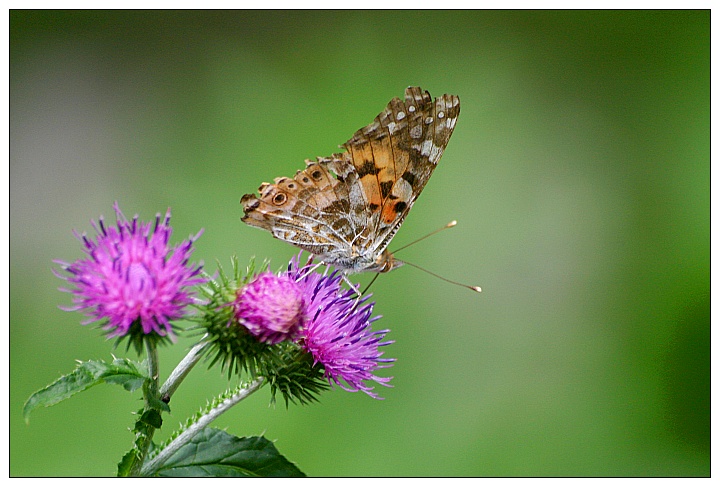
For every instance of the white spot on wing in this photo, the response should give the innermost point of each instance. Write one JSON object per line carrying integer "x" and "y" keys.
{"x": 402, "y": 189}
{"x": 426, "y": 147}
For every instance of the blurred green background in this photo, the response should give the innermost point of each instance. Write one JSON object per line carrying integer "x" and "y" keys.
{"x": 578, "y": 172}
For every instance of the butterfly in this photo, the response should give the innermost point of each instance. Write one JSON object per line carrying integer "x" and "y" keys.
{"x": 345, "y": 209}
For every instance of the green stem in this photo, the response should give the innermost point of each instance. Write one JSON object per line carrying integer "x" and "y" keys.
{"x": 154, "y": 370}
{"x": 182, "y": 370}
{"x": 150, "y": 394}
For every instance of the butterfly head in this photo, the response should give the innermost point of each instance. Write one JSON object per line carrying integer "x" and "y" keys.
{"x": 385, "y": 262}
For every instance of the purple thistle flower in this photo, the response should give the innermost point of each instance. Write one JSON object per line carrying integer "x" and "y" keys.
{"x": 132, "y": 276}
{"x": 271, "y": 307}
{"x": 337, "y": 331}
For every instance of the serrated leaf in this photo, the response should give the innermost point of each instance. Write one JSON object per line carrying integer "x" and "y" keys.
{"x": 127, "y": 373}
{"x": 215, "y": 453}
{"x": 126, "y": 463}
{"x": 152, "y": 418}
{"x": 129, "y": 382}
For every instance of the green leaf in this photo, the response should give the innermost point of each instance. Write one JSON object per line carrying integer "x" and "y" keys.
{"x": 127, "y": 373}
{"x": 215, "y": 453}
{"x": 126, "y": 463}
{"x": 152, "y": 418}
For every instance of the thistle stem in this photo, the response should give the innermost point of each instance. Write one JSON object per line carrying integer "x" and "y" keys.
{"x": 154, "y": 370}
{"x": 150, "y": 392}
{"x": 198, "y": 426}
{"x": 182, "y": 370}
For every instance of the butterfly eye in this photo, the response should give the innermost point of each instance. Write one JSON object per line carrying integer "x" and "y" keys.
{"x": 279, "y": 199}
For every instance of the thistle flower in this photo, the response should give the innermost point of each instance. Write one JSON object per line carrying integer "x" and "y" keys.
{"x": 132, "y": 280}
{"x": 299, "y": 329}
{"x": 271, "y": 307}
{"x": 337, "y": 331}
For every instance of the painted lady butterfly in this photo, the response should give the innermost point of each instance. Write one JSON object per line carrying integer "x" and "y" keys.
{"x": 346, "y": 208}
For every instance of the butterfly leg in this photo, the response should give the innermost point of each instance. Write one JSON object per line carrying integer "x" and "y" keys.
{"x": 309, "y": 270}
{"x": 354, "y": 287}
{"x": 371, "y": 283}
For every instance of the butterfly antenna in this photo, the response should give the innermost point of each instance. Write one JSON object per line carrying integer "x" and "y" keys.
{"x": 449, "y": 225}
{"x": 472, "y": 288}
